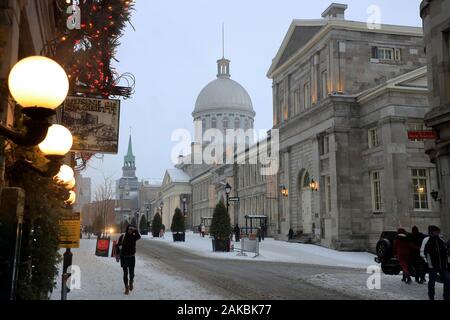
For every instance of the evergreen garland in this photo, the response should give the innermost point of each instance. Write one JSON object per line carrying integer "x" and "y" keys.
{"x": 86, "y": 53}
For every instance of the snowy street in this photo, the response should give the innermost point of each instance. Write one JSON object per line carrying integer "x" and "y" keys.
{"x": 166, "y": 271}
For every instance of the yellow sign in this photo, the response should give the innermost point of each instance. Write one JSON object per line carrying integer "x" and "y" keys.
{"x": 69, "y": 231}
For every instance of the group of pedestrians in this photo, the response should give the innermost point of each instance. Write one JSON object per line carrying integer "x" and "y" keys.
{"x": 261, "y": 233}
{"x": 421, "y": 253}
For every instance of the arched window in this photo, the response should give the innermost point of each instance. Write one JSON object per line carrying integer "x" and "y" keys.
{"x": 214, "y": 123}
{"x": 246, "y": 124}
{"x": 306, "y": 180}
{"x": 225, "y": 123}
{"x": 237, "y": 123}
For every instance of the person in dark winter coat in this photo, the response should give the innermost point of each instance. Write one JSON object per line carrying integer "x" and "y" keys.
{"x": 403, "y": 251}
{"x": 237, "y": 233}
{"x": 127, "y": 247}
{"x": 263, "y": 231}
{"x": 434, "y": 251}
{"x": 417, "y": 261}
{"x": 291, "y": 234}
{"x": 258, "y": 234}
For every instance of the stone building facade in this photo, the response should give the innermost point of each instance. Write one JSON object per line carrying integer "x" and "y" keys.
{"x": 345, "y": 97}
{"x": 436, "y": 23}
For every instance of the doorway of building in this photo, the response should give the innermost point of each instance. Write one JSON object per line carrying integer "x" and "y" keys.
{"x": 305, "y": 202}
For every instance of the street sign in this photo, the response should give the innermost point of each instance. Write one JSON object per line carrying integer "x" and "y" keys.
{"x": 234, "y": 199}
{"x": 422, "y": 135}
{"x": 69, "y": 231}
{"x": 94, "y": 124}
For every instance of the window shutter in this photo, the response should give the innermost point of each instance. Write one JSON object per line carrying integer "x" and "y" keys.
{"x": 374, "y": 52}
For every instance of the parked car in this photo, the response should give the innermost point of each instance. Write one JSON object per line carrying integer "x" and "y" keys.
{"x": 385, "y": 253}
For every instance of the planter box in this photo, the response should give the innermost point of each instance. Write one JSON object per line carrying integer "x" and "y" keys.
{"x": 221, "y": 245}
{"x": 178, "y": 237}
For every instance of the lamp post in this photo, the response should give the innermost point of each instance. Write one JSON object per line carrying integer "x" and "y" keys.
{"x": 228, "y": 189}
{"x": 147, "y": 209}
{"x": 39, "y": 85}
{"x": 161, "y": 207}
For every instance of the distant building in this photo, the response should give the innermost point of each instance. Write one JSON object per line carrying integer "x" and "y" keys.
{"x": 149, "y": 192}
{"x": 127, "y": 189}
{"x": 84, "y": 192}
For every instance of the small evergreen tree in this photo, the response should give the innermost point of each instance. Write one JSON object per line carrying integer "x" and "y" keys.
{"x": 221, "y": 223}
{"x": 178, "y": 222}
{"x": 143, "y": 224}
{"x": 156, "y": 224}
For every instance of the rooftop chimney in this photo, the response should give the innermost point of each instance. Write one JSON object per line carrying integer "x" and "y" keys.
{"x": 335, "y": 11}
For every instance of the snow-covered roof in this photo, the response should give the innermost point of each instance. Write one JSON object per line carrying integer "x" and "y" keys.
{"x": 178, "y": 175}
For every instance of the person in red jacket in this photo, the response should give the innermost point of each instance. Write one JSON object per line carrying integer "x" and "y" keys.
{"x": 403, "y": 250}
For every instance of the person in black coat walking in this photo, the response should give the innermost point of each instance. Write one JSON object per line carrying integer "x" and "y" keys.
{"x": 417, "y": 261}
{"x": 127, "y": 247}
{"x": 237, "y": 233}
{"x": 434, "y": 251}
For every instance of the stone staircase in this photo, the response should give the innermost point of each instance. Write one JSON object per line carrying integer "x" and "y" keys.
{"x": 303, "y": 238}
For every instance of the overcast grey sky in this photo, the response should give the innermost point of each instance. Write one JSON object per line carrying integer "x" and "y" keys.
{"x": 173, "y": 55}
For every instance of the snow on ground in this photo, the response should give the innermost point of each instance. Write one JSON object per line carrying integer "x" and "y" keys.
{"x": 391, "y": 287}
{"x": 101, "y": 279}
{"x": 279, "y": 251}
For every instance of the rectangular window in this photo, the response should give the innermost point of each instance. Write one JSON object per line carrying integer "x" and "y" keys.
{"x": 417, "y": 126}
{"x": 377, "y": 203}
{"x": 325, "y": 89}
{"x": 374, "y": 140}
{"x": 297, "y": 101}
{"x": 386, "y": 54}
{"x": 398, "y": 54}
{"x": 328, "y": 193}
{"x": 324, "y": 145}
{"x": 420, "y": 185}
{"x": 306, "y": 96}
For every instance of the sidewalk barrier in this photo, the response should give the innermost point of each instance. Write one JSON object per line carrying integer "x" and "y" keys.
{"x": 248, "y": 245}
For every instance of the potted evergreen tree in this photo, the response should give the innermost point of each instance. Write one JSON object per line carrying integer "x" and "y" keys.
{"x": 221, "y": 229}
{"x": 156, "y": 225}
{"x": 143, "y": 226}
{"x": 178, "y": 228}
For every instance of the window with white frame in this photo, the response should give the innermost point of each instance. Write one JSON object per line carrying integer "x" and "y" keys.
{"x": 325, "y": 89}
{"x": 373, "y": 137}
{"x": 417, "y": 126}
{"x": 324, "y": 145}
{"x": 420, "y": 186}
{"x": 306, "y": 96}
{"x": 386, "y": 54}
{"x": 328, "y": 193}
{"x": 377, "y": 200}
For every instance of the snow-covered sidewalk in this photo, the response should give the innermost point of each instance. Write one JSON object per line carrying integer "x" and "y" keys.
{"x": 279, "y": 251}
{"x": 101, "y": 279}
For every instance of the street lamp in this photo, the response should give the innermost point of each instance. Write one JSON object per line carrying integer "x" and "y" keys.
{"x": 228, "y": 189}
{"x": 284, "y": 192}
{"x": 314, "y": 185}
{"x": 184, "y": 207}
{"x": 39, "y": 85}
{"x": 72, "y": 198}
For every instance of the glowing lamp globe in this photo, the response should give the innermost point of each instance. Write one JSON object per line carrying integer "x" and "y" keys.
{"x": 38, "y": 82}
{"x": 65, "y": 175}
{"x": 58, "y": 142}
{"x": 71, "y": 184}
{"x": 72, "y": 198}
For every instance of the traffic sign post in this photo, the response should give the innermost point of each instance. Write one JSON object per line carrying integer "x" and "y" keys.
{"x": 234, "y": 199}
{"x": 69, "y": 238}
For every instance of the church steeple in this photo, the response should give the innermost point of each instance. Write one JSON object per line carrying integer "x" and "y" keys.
{"x": 129, "y": 164}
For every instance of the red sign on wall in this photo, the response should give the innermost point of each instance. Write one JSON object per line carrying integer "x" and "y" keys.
{"x": 423, "y": 135}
